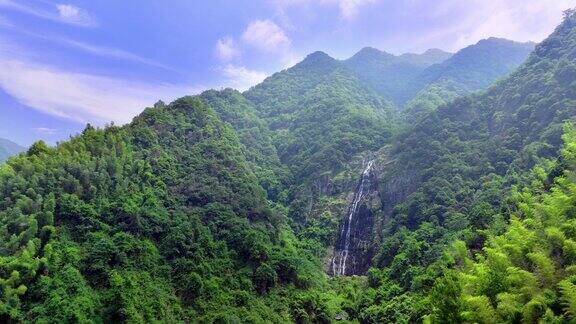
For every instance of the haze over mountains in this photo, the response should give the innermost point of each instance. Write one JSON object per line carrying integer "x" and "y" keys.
{"x": 8, "y": 149}
{"x": 399, "y": 79}
{"x": 377, "y": 189}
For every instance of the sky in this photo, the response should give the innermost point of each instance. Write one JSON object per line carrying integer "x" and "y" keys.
{"x": 67, "y": 63}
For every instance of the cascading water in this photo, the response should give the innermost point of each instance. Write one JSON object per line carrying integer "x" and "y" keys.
{"x": 341, "y": 259}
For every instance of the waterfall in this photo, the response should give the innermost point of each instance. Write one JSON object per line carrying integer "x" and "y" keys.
{"x": 340, "y": 260}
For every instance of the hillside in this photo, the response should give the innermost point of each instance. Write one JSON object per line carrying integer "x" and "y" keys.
{"x": 161, "y": 220}
{"x": 473, "y": 68}
{"x": 463, "y": 158}
{"x": 525, "y": 272}
{"x": 255, "y": 137}
{"x": 431, "y": 187}
{"x": 389, "y": 75}
{"x": 320, "y": 116}
{"x": 8, "y": 149}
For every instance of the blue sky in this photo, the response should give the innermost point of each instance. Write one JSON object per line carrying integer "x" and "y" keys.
{"x": 66, "y": 63}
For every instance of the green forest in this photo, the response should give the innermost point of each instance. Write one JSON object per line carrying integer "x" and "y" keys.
{"x": 441, "y": 188}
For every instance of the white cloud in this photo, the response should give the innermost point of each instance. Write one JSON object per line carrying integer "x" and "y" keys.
{"x": 78, "y": 96}
{"x": 86, "y": 97}
{"x": 103, "y": 51}
{"x": 110, "y": 52}
{"x": 62, "y": 13}
{"x": 83, "y": 97}
{"x": 45, "y": 130}
{"x": 74, "y": 15}
{"x": 227, "y": 49}
{"x": 518, "y": 20}
{"x": 266, "y": 35}
{"x": 241, "y": 78}
{"x": 349, "y": 9}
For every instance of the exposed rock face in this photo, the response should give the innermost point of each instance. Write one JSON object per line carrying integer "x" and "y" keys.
{"x": 370, "y": 206}
{"x": 353, "y": 253}
{"x": 395, "y": 186}
{"x": 395, "y": 183}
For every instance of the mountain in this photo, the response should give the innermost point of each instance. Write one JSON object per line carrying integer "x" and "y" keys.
{"x": 422, "y": 82}
{"x": 448, "y": 178}
{"x": 390, "y": 75}
{"x": 321, "y": 116}
{"x": 159, "y": 220}
{"x": 327, "y": 120}
{"x": 8, "y": 149}
{"x": 471, "y": 69}
{"x": 312, "y": 198}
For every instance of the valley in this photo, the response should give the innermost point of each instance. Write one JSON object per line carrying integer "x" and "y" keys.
{"x": 435, "y": 187}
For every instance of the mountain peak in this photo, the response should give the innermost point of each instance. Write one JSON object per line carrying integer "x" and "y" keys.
{"x": 501, "y": 49}
{"x": 431, "y": 56}
{"x": 315, "y": 60}
{"x": 318, "y": 56}
{"x": 370, "y": 53}
{"x": 435, "y": 51}
{"x": 497, "y": 41}
{"x": 372, "y": 50}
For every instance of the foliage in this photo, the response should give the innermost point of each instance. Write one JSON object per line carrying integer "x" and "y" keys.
{"x": 466, "y": 156}
{"x": 160, "y": 220}
{"x": 320, "y": 116}
{"x": 221, "y": 207}
{"x": 526, "y": 273}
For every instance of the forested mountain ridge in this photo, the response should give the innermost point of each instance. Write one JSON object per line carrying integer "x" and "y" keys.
{"x": 473, "y": 68}
{"x": 226, "y": 206}
{"x": 464, "y": 157}
{"x": 160, "y": 220}
{"x": 390, "y": 75}
{"x": 424, "y": 81}
{"x": 428, "y": 58}
{"x": 8, "y": 149}
{"x": 484, "y": 62}
{"x": 320, "y": 116}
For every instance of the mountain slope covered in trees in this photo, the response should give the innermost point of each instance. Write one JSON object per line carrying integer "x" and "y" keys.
{"x": 464, "y": 157}
{"x": 225, "y": 207}
{"x": 389, "y": 75}
{"x": 161, "y": 220}
{"x": 527, "y": 272}
{"x": 473, "y": 68}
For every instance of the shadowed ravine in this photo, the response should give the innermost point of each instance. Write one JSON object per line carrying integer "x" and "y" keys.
{"x": 346, "y": 260}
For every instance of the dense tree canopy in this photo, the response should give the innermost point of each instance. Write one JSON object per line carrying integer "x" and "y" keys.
{"x": 161, "y": 220}
{"x": 225, "y": 207}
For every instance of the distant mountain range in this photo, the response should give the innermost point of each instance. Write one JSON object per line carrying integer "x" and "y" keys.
{"x": 389, "y": 75}
{"x": 8, "y": 149}
{"x": 233, "y": 206}
{"x": 416, "y": 76}
{"x": 415, "y": 82}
